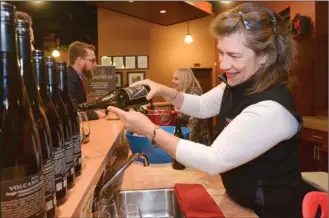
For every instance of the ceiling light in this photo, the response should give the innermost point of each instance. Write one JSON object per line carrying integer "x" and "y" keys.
{"x": 37, "y": 2}
{"x": 225, "y": 2}
{"x": 188, "y": 38}
{"x": 55, "y": 53}
{"x": 163, "y": 11}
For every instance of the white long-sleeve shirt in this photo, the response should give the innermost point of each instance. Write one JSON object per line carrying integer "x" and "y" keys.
{"x": 254, "y": 131}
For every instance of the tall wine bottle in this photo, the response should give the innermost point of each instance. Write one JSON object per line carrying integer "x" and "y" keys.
{"x": 73, "y": 114}
{"x": 55, "y": 124}
{"x": 178, "y": 132}
{"x": 124, "y": 98}
{"x": 53, "y": 83}
{"x": 21, "y": 181}
{"x": 24, "y": 54}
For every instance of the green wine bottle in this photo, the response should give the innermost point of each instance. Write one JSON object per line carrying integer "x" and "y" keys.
{"x": 178, "y": 132}
{"x": 124, "y": 98}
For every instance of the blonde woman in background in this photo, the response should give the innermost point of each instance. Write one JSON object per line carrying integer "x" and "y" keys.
{"x": 185, "y": 81}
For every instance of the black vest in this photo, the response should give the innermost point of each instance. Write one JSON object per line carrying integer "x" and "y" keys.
{"x": 278, "y": 167}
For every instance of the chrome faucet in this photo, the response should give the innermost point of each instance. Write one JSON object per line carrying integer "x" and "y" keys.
{"x": 132, "y": 159}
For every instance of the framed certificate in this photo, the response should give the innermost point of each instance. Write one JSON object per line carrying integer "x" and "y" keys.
{"x": 142, "y": 62}
{"x": 118, "y": 62}
{"x": 106, "y": 61}
{"x": 130, "y": 62}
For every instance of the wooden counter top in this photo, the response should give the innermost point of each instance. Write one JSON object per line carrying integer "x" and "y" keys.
{"x": 95, "y": 156}
{"x": 317, "y": 179}
{"x": 317, "y": 123}
{"x": 163, "y": 176}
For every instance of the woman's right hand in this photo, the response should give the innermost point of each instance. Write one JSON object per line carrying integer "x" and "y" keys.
{"x": 156, "y": 89}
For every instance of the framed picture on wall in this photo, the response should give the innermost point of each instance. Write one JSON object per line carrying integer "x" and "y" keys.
{"x": 142, "y": 62}
{"x": 135, "y": 76}
{"x": 130, "y": 62}
{"x": 106, "y": 61}
{"x": 118, "y": 62}
{"x": 118, "y": 79}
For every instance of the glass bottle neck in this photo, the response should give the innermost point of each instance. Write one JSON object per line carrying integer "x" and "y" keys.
{"x": 63, "y": 86}
{"x": 53, "y": 83}
{"x": 24, "y": 53}
{"x": 11, "y": 83}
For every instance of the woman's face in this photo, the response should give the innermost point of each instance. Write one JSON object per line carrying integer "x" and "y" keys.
{"x": 177, "y": 80}
{"x": 236, "y": 60}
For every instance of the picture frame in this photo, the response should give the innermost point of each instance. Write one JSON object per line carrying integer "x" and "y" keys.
{"x": 135, "y": 76}
{"x": 142, "y": 62}
{"x": 118, "y": 62}
{"x": 118, "y": 79}
{"x": 106, "y": 61}
{"x": 130, "y": 62}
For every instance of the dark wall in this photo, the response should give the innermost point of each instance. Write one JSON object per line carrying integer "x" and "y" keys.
{"x": 70, "y": 21}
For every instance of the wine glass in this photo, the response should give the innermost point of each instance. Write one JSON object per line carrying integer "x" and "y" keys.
{"x": 108, "y": 205}
{"x": 101, "y": 214}
{"x": 81, "y": 127}
{"x": 130, "y": 211}
{"x": 86, "y": 127}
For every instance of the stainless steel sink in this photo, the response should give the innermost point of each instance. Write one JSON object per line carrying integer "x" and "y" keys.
{"x": 152, "y": 203}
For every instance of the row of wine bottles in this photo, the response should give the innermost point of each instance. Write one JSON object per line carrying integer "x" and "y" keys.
{"x": 40, "y": 149}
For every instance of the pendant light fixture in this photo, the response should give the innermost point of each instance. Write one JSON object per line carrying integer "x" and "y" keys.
{"x": 56, "y": 53}
{"x": 188, "y": 38}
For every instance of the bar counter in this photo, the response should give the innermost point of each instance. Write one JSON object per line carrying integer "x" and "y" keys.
{"x": 317, "y": 123}
{"x": 96, "y": 154}
{"x": 163, "y": 176}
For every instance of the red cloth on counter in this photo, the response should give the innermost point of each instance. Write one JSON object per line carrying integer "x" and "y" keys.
{"x": 195, "y": 202}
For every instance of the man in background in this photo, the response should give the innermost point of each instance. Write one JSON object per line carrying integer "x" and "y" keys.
{"x": 26, "y": 17}
{"x": 82, "y": 61}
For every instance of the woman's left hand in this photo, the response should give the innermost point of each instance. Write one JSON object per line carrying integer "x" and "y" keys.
{"x": 134, "y": 121}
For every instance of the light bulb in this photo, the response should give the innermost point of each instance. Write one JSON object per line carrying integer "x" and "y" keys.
{"x": 188, "y": 38}
{"x": 55, "y": 53}
{"x": 37, "y": 2}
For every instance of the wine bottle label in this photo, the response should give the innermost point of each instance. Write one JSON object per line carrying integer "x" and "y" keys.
{"x": 77, "y": 149}
{"x": 23, "y": 197}
{"x": 69, "y": 149}
{"x": 59, "y": 167}
{"x": 65, "y": 182}
{"x": 49, "y": 175}
{"x": 136, "y": 92}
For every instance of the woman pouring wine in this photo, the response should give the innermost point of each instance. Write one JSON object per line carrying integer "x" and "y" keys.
{"x": 256, "y": 149}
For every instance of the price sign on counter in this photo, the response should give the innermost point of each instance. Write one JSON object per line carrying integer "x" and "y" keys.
{"x": 101, "y": 83}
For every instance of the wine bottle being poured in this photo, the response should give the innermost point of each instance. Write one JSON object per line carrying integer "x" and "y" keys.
{"x": 124, "y": 98}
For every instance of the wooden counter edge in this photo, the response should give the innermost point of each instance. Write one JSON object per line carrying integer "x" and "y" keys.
{"x": 96, "y": 154}
{"x": 316, "y": 123}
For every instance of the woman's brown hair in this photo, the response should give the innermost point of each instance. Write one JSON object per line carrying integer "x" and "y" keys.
{"x": 264, "y": 32}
